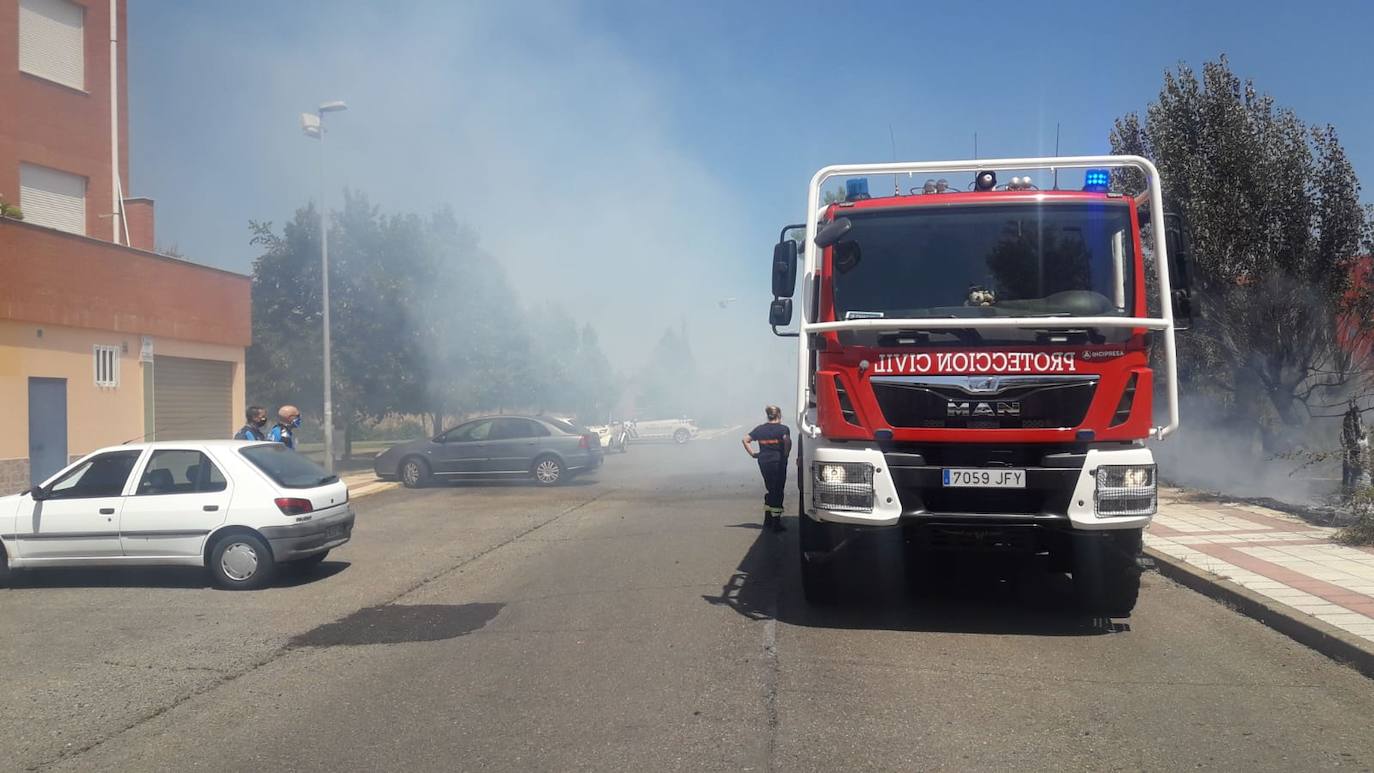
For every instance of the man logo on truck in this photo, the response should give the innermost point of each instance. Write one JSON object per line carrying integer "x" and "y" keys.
{"x": 967, "y": 408}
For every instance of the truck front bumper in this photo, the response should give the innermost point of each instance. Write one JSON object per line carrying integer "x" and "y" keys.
{"x": 905, "y": 488}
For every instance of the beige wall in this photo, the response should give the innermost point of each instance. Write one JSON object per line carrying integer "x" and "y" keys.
{"x": 96, "y": 416}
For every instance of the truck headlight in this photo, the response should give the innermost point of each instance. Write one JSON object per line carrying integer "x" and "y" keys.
{"x": 1125, "y": 490}
{"x": 830, "y": 474}
{"x": 842, "y": 486}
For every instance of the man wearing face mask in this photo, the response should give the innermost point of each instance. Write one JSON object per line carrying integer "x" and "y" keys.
{"x": 288, "y": 419}
{"x": 256, "y": 428}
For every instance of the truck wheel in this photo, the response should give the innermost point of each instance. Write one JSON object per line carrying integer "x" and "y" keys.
{"x": 817, "y": 573}
{"x": 1106, "y": 577}
{"x": 681, "y": 437}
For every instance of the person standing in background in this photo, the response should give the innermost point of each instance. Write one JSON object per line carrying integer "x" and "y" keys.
{"x": 775, "y": 445}
{"x": 256, "y": 428}
{"x": 288, "y": 421}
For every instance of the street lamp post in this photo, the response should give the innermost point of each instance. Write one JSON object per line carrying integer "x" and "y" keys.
{"x": 313, "y": 126}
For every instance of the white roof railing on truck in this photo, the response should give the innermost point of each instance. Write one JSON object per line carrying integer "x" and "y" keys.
{"x": 1153, "y": 194}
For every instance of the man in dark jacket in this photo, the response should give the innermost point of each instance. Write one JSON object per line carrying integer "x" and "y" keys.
{"x": 256, "y": 428}
{"x": 775, "y": 444}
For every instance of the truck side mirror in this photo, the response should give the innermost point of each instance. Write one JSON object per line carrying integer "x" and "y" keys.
{"x": 38, "y": 494}
{"x": 1180, "y": 273}
{"x": 784, "y": 268}
{"x": 780, "y": 312}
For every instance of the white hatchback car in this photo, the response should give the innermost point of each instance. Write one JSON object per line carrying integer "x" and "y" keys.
{"x": 240, "y": 509}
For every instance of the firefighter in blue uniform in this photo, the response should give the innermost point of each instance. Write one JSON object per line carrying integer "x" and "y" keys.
{"x": 775, "y": 445}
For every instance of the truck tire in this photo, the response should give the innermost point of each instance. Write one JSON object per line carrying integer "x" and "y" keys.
{"x": 816, "y": 541}
{"x": 1106, "y": 575}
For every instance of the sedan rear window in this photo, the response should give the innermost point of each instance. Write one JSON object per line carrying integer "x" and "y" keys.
{"x": 288, "y": 468}
{"x": 565, "y": 426}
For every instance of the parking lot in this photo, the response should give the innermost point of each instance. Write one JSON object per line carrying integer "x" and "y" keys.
{"x": 639, "y": 618}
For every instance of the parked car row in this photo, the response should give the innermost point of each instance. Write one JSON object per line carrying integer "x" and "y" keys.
{"x": 549, "y": 450}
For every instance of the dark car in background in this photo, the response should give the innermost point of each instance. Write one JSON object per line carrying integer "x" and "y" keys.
{"x": 548, "y": 450}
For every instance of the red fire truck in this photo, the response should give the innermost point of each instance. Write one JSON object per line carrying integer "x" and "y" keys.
{"x": 974, "y": 364}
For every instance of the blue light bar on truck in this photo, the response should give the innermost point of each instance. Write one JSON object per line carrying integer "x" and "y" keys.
{"x": 1097, "y": 180}
{"x": 856, "y": 189}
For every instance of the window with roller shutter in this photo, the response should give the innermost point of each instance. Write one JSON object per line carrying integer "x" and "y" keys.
{"x": 51, "y": 44}
{"x": 52, "y": 198}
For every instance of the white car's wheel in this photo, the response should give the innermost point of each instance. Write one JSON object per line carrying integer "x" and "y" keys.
{"x": 242, "y": 562}
{"x": 681, "y": 436}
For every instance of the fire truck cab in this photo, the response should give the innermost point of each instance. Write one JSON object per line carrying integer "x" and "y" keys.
{"x": 974, "y": 365}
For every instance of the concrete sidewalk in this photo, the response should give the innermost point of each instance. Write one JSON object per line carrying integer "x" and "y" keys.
{"x": 1287, "y": 564}
{"x": 365, "y": 483}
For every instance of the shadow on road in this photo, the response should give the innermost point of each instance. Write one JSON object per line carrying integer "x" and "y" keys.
{"x": 978, "y": 595}
{"x": 400, "y": 623}
{"x": 172, "y": 577}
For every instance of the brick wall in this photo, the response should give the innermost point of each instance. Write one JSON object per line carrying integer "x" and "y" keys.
{"x": 52, "y": 125}
{"x": 142, "y": 231}
{"x": 55, "y": 278}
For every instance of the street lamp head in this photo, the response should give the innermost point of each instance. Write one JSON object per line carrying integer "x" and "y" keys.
{"x": 310, "y": 124}
{"x": 333, "y": 107}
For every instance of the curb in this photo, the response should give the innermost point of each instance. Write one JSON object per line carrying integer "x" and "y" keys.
{"x": 370, "y": 488}
{"x": 1325, "y": 638}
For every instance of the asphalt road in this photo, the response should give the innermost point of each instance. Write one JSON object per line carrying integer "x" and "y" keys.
{"x": 641, "y": 620}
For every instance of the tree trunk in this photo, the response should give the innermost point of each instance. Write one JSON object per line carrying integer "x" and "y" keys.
{"x": 348, "y": 442}
{"x": 1242, "y": 420}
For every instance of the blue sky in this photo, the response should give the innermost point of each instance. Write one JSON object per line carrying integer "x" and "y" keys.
{"x": 654, "y": 149}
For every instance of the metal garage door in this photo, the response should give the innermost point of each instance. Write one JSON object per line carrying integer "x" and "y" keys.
{"x": 192, "y": 399}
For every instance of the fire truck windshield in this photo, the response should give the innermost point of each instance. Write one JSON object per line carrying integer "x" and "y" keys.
{"x": 986, "y": 260}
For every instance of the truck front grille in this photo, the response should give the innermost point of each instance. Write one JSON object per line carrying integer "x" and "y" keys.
{"x": 1005, "y": 402}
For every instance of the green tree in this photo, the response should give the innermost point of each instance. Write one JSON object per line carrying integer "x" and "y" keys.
{"x": 1273, "y": 208}
{"x": 284, "y": 362}
{"x": 424, "y": 321}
